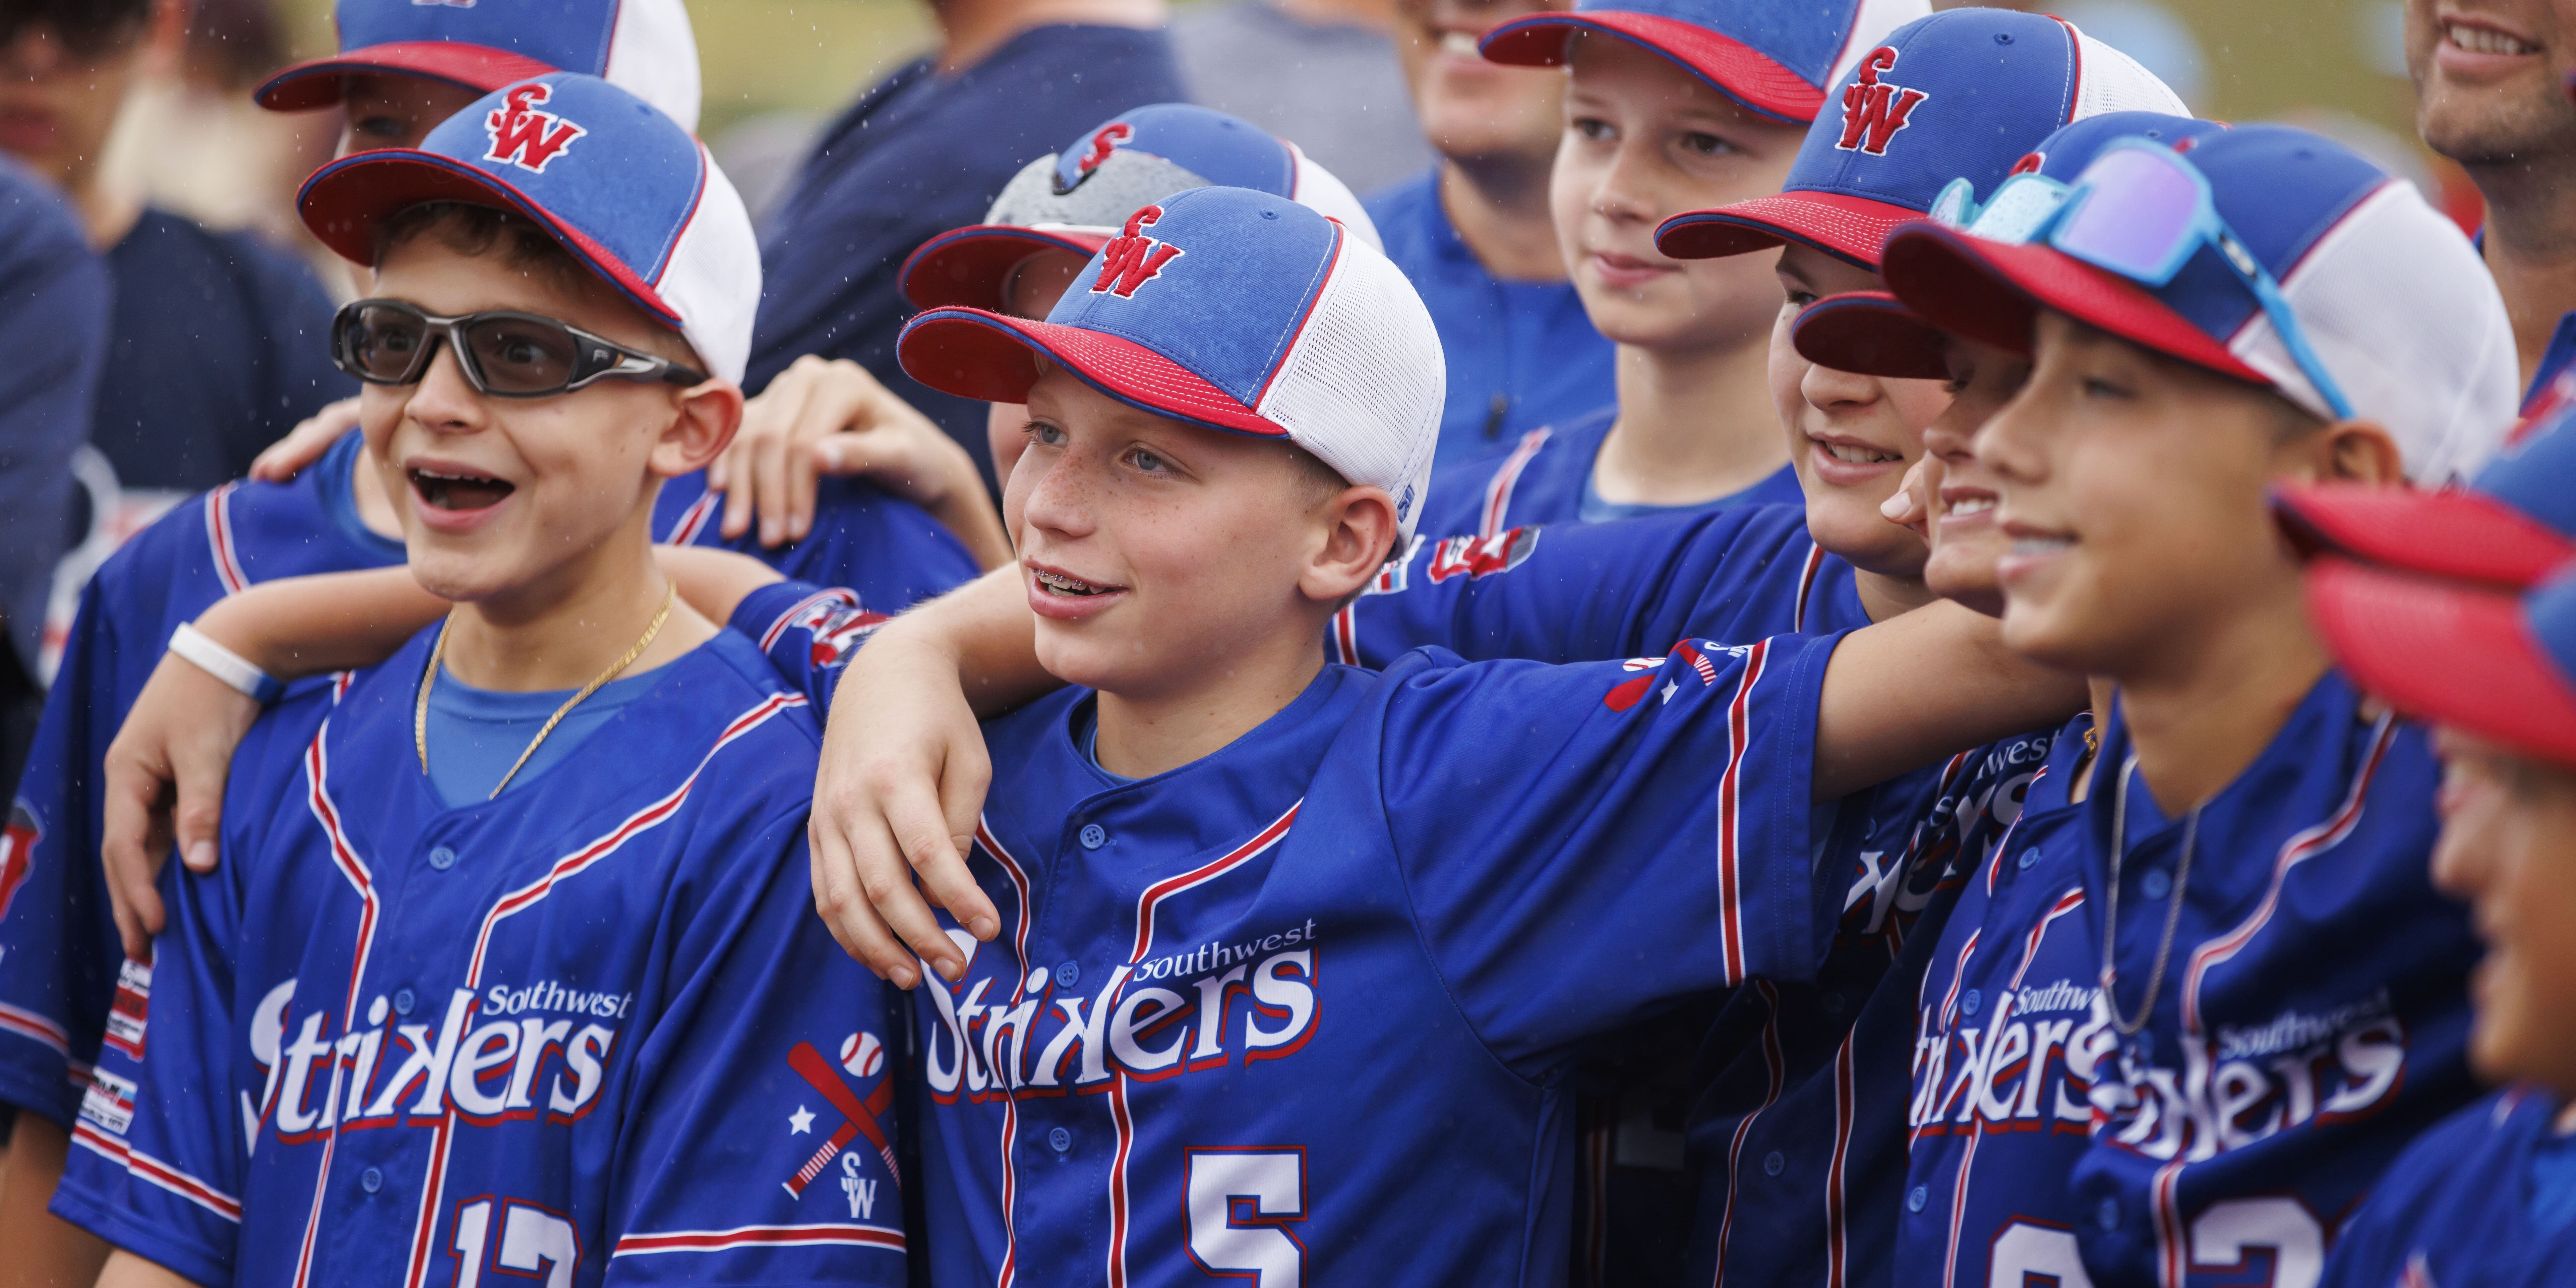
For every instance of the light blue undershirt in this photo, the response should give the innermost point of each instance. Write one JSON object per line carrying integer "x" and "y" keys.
{"x": 476, "y": 734}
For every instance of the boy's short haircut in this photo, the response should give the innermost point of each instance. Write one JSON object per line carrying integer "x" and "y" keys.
{"x": 87, "y": 27}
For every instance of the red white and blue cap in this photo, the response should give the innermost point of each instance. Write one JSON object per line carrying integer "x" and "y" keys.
{"x": 1962, "y": 94}
{"x": 2494, "y": 663}
{"x": 2391, "y": 296}
{"x": 644, "y": 47}
{"x": 1235, "y": 310}
{"x": 2512, "y": 527}
{"x": 1775, "y": 57}
{"x": 1875, "y": 334}
{"x": 620, "y": 184}
{"x": 1077, "y": 200}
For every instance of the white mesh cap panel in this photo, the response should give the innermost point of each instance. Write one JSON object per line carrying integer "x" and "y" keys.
{"x": 653, "y": 55}
{"x": 2404, "y": 316}
{"x": 1363, "y": 383}
{"x": 2110, "y": 81}
{"x": 1871, "y": 25}
{"x": 1123, "y": 181}
{"x": 1318, "y": 190}
{"x": 713, "y": 277}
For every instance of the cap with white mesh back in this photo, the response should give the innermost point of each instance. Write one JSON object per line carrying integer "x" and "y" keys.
{"x": 645, "y": 47}
{"x": 2391, "y": 297}
{"x": 1776, "y": 59}
{"x": 1963, "y": 94}
{"x": 1234, "y": 310}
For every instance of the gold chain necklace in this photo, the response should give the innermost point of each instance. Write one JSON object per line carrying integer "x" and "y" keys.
{"x": 420, "y": 712}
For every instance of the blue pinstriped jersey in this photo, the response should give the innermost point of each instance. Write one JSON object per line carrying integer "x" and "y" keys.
{"x": 590, "y": 1030}
{"x": 2455, "y": 1210}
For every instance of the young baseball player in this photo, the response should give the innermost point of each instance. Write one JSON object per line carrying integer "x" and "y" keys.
{"x": 2145, "y": 962}
{"x": 583, "y": 1013}
{"x": 1474, "y": 235}
{"x": 2448, "y": 624}
{"x": 1668, "y": 108}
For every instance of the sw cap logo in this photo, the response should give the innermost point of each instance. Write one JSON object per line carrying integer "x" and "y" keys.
{"x": 1131, "y": 259}
{"x": 1107, "y": 139}
{"x": 524, "y": 136}
{"x": 1873, "y": 110}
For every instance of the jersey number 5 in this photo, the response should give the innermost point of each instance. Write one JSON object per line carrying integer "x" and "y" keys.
{"x": 532, "y": 1239}
{"x": 1241, "y": 1201}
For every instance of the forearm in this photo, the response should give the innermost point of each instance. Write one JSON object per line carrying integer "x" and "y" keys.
{"x": 1924, "y": 685}
{"x": 982, "y": 634}
{"x": 712, "y": 581}
{"x": 42, "y": 1248}
{"x": 126, "y": 1270}
{"x": 300, "y": 626}
{"x": 969, "y": 516}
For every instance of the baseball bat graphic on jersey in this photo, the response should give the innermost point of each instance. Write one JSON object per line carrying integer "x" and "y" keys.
{"x": 857, "y": 1118}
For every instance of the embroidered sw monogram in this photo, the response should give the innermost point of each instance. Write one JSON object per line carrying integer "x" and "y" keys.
{"x": 526, "y": 137}
{"x": 1873, "y": 111}
{"x": 1105, "y": 142}
{"x": 1131, "y": 258}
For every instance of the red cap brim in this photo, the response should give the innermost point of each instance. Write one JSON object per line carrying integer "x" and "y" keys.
{"x": 2460, "y": 655}
{"x": 1992, "y": 292}
{"x": 980, "y": 354}
{"x": 345, "y": 200}
{"x": 1870, "y": 333}
{"x": 2456, "y": 535}
{"x": 1849, "y": 228}
{"x": 316, "y": 82}
{"x": 1736, "y": 69}
{"x": 969, "y": 267}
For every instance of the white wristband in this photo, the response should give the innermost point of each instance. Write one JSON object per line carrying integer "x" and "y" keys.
{"x": 224, "y": 664}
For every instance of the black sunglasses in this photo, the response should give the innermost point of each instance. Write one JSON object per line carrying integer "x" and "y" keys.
{"x": 502, "y": 353}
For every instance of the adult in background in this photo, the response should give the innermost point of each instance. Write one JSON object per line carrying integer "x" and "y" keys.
{"x": 1475, "y": 237}
{"x": 1321, "y": 72}
{"x": 927, "y": 150}
{"x": 2491, "y": 87}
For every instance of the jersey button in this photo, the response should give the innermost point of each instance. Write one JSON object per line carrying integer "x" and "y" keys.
{"x": 402, "y": 1001}
{"x": 2108, "y": 1215}
{"x": 1067, "y": 975}
{"x": 1059, "y": 1140}
{"x": 1915, "y": 1199}
{"x": 371, "y": 1180}
{"x": 2156, "y": 884}
{"x": 2029, "y": 858}
{"x": 1094, "y": 836}
{"x": 1773, "y": 1162}
{"x": 1971, "y": 1001}
{"x": 442, "y": 858}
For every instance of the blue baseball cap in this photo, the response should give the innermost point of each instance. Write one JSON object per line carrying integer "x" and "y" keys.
{"x": 1234, "y": 310}
{"x": 2512, "y": 527}
{"x": 2379, "y": 289}
{"x": 2494, "y": 663}
{"x": 619, "y": 184}
{"x": 1077, "y": 200}
{"x": 1875, "y": 334}
{"x": 1962, "y": 94}
{"x": 645, "y": 47}
{"x": 1775, "y": 57}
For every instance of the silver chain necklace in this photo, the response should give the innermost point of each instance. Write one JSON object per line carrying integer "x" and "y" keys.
{"x": 2111, "y": 918}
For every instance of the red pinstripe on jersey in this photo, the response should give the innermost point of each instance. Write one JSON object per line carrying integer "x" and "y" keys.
{"x": 29, "y": 1025}
{"x": 1837, "y": 1249}
{"x": 759, "y": 1236}
{"x": 1156, "y": 893}
{"x": 1777, "y": 1067}
{"x": 219, "y": 538}
{"x": 2066, "y": 904}
{"x": 1498, "y": 489}
{"x": 153, "y": 1171}
{"x": 1806, "y": 584}
{"x": 344, "y": 856}
{"x": 1730, "y": 927}
{"x": 693, "y": 520}
{"x": 779, "y": 627}
{"x": 1001, "y": 1080}
{"x": 433, "y": 1188}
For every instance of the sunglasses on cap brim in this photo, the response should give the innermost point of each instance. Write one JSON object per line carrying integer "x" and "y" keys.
{"x": 2140, "y": 210}
{"x": 503, "y": 353}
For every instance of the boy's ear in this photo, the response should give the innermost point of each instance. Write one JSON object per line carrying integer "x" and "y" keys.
{"x": 708, "y": 413}
{"x": 2359, "y": 451}
{"x": 1359, "y": 536}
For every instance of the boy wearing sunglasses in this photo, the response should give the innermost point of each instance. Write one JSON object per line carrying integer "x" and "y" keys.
{"x": 2182, "y": 952}
{"x": 512, "y": 971}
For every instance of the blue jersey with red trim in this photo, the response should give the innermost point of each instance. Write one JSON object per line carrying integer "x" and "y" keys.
{"x": 2454, "y": 1210}
{"x": 1542, "y": 478}
{"x": 59, "y": 954}
{"x": 2310, "y": 1020}
{"x": 1134, "y": 1076}
{"x": 1587, "y": 591}
{"x": 590, "y": 1030}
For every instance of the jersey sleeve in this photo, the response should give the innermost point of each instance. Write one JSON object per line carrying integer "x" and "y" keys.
{"x": 762, "y": 1144}
{"x": 1586, "y": 845}
{"x": 159, "y": 1154}
{"x": 809, "y": 633}
{"x": 886, "y": 550}
{"x": 1566, "y": 593}
{"x": 55, "y": 299}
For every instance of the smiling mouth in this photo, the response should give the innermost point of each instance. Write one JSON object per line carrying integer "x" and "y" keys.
{"x": 1857, "y": 454}
{"x": 1968, "y": 505}
{"x": 1459, "y": 43}
{"x": 2042, "y": 545}
{"x": 1056, "y": 583}
{"x": 2485, "y": 40}
{"x": 443, "y": 491}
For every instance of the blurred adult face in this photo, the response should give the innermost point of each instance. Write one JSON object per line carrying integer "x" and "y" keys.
{"x": 1470, "y": 108}
{"x": 59, "y": 97}
{"x": 2508, "y": 846}
{"x": 2490, "y": 77}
